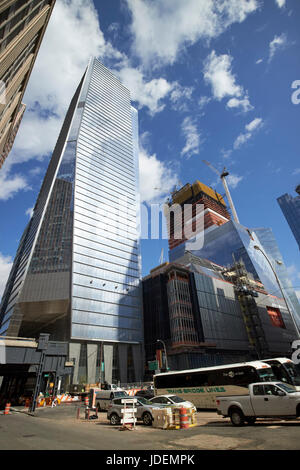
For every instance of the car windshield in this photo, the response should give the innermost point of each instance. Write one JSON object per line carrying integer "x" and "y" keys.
{"x": 176, "y": 399}
{"x": 143, "y": 401}
{"x": 286, "y": 388}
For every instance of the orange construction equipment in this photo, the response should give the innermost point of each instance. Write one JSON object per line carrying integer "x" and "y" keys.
{"x": 7, "y": 409}
{"x": 184, "y": 420}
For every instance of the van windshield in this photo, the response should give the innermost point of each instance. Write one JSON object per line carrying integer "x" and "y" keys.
{"x": 266, "y": 374}
{"x": 120, "y": 394}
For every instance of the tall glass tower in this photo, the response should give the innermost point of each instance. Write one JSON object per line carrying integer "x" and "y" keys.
{"x": 290, "y": 207}
{"x": 76, "y": 274}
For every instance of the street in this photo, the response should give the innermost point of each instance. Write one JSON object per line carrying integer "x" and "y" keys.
{"x": 59, "y": 429}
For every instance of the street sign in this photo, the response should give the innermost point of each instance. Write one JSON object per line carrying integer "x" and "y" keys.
{"x": 153, "y": 365}
{"x": 129, "y": 400}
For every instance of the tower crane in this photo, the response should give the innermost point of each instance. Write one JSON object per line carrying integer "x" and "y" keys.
{"x": 223, "y": 179}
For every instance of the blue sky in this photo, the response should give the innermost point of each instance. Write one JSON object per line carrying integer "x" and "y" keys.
{"x": 212, "y": 80}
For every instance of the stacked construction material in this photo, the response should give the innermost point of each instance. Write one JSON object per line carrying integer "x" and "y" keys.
{"x": 173, "y": 417}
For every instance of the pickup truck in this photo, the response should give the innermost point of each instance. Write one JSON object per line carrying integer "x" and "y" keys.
{"x": 264, "y": 399}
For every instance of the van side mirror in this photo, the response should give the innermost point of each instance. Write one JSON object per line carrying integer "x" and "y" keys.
{"x": 280, "y": 393}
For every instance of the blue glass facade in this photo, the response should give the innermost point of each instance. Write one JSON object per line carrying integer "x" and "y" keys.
{"x": 290, "y": 207}
{"x": 78, "y": 269}
{"x": 233, "y": 242}
{"x": 106, "y": 265}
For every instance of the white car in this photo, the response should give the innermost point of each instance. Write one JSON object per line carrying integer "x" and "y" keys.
{"x": 172, "y": 400}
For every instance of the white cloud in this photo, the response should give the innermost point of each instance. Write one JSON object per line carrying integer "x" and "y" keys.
{"x": 193, "y": 139}
{"x": 250, "y": 128}
{"x": 35, "y": 171}
{"x": 226, "y": 153}
{"x": 278, "y": 43}
{"x": 259, "y": 61}
{"x": 5, "y": 267}
{"x": 255, "y": 124}
{"x": 218, "y": 74}
{"x": 280, "y": 3}
{"x": 10, "y": 185}
{"x": 29, "y": 212}
{"x": 36, "y": 137}
{"x": 180, "y": 96}
{"x": 233, "y": 180}
{"x": 162, "y": 29}
{"x": 241, "y": 139}
{"x": 244, "y": 104}
{"x": 149, "y": 94}
{"x": 203, "y": 101}
{"x": 156, "y": 179}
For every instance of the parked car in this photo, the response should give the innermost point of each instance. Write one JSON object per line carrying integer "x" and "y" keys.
{"x": 265, "y": 399}
{"x": 172, "y": 400}
{"x": 145, "y": 392}
{"x": 144, "y": 410}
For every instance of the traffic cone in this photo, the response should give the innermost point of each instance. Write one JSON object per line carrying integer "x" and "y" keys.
{"x": 7, "y": 409}
{"x": 184, "y": 420}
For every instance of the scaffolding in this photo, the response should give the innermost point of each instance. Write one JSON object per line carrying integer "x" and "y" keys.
{"x": 246, "y": 293}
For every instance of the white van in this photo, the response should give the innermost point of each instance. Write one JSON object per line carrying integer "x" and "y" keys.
{"x": 100, "y": 399}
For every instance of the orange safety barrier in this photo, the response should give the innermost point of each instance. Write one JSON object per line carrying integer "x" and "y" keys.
{"x": 132, "y": 392}
{"x": 65, "y": 398}
{"x": 7, "y": 409}
{"x": 184, "y": 420}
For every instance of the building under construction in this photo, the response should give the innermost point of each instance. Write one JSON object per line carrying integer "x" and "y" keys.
{"x": 224, "y": 241}
{"x": 210, "y": 315}
{"x": 213, "y": 211}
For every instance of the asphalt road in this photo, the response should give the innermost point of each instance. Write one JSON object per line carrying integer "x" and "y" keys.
{"x": 58, "y": 429}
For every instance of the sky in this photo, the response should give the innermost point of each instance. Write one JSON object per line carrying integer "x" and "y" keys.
{"x": 214, "y": 80}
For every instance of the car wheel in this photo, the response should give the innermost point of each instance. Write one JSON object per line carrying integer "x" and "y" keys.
{"x": 237, "y": 417}
{"x": 147, "y": 419}
{"x": 114, "y": 419}
{"x": 250, "y": 420}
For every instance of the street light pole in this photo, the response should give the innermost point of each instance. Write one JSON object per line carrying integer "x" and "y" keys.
{"x": 256, "y": 247}
{"x": 159, "y": 340}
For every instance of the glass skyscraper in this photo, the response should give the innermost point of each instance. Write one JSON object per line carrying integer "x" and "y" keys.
{"x": 290, "y": 207}
{"x": 76, "y": 274}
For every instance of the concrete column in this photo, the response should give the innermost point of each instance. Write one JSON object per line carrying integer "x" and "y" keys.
{"x": 91, "y": 363}
{"x": 138, "y": 362}
{"x": 123, "y": 358}
{"x": 108, "y": 350}
{"x": 74, "y": 352}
